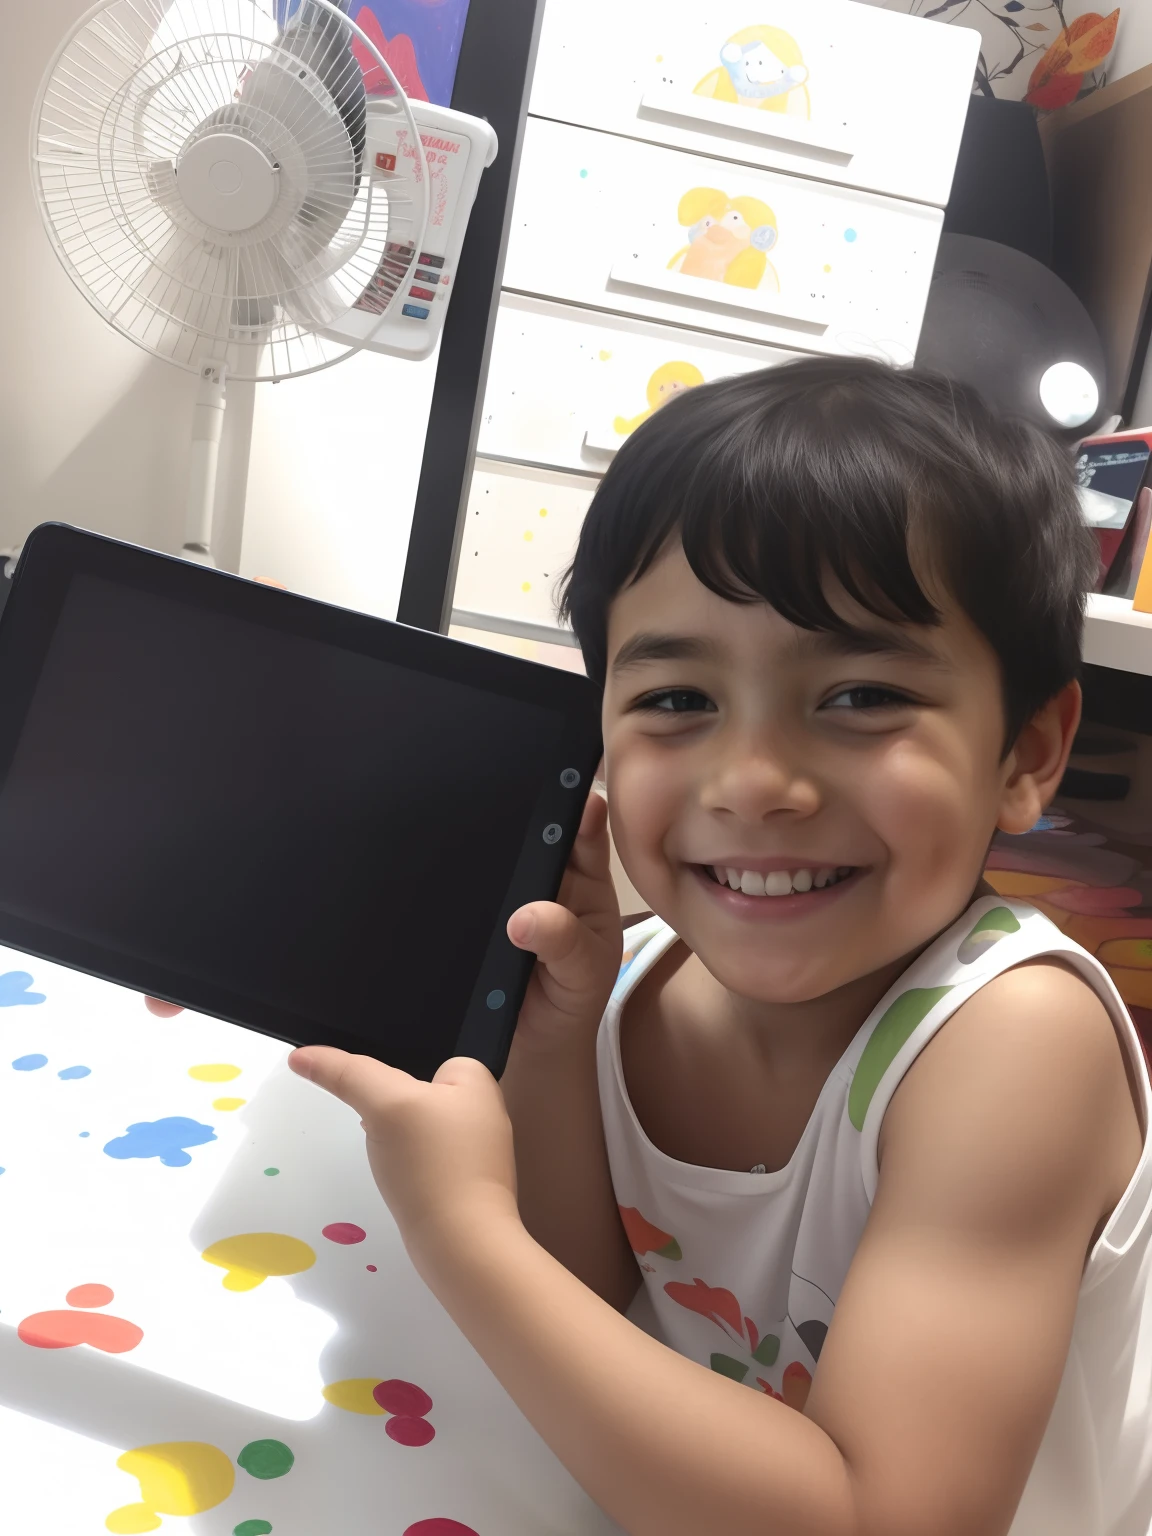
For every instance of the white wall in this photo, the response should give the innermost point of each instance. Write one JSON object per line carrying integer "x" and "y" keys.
{"x": 1133, "y": 39}
{"x": 92, "y": 430}
{"x": 335, "y": 461}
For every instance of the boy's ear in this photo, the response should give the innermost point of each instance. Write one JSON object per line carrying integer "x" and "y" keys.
{"x": 1035, "y": 765}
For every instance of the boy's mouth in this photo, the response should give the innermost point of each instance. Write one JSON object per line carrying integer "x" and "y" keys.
{"x": 779, "y": 882}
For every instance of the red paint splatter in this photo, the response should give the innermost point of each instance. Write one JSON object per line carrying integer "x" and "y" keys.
{"x": 371, "y": 1268}
{"x": 408, "y": 1431}
{"x": 403, "y": 1398}
{"x": 89, "y": 1296}
{"x": 64, "y": 1330}
{"x": 440, "y": 1527}
{"x": 345, "y": 1232}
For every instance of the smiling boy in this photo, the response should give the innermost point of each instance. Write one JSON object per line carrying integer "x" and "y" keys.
{"x": 873, "y": 1140}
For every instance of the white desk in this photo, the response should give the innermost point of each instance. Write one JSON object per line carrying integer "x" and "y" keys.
{"x": 1117, "y": 636}
{"x": 216, "y": 1368}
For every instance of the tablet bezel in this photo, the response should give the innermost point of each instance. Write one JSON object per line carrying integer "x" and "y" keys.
{"x": 54, "y": 553}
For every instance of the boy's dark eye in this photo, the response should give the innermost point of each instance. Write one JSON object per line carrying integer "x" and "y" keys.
{"x": 674, "y": 701}
{"x": 867, "y": 696}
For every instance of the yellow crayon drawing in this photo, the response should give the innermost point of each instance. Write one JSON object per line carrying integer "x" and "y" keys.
{"x": 728, "y": 239}
{"x": 668, "y": 380}
{"x": 763, "y": 68}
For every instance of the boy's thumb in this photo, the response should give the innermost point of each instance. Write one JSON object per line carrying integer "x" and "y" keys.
{"x": 360, "y": 1081}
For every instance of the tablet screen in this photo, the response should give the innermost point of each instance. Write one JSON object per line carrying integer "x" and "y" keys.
{"x": 305, "y": 825}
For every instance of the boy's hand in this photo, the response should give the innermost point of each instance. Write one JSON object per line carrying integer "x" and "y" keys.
{"x": 440, "y": 1152}
{"x": 577, "y": 941}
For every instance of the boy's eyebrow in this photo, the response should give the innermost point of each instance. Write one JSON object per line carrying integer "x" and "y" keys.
{"x": 654, "y": 647}
{"x": 649, "y": 646}
{"x": 865, "y": 642}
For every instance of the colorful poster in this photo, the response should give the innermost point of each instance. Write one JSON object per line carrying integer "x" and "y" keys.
{"x": 420, "y": 39}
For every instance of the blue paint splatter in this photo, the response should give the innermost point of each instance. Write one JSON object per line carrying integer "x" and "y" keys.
{"x": 14, "y": 990}
{"x": 70, "y": 1072}
{"x": 165, "y": 1139}
{"x": 85, "y": 1133}
{"x": 849, "y": 235}
{"x": 30, "y": 1063}
{"x": 583, "y": 174}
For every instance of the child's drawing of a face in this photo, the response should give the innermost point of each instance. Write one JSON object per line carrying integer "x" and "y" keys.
{"x": 727, "y": 235}
{"x": 756, "y": 72}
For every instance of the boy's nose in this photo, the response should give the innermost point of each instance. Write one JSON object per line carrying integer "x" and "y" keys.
{"x": 754, "y": 786}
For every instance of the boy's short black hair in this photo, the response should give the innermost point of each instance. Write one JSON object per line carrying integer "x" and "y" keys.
{"x": 849, "y": 470}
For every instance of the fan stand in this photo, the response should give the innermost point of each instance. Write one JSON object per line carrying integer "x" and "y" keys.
{"x": 203, "y": 456}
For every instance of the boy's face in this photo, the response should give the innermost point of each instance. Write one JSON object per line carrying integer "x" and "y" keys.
{"x": 862, "y": 784}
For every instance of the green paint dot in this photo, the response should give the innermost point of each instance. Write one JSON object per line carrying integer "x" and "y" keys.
{"x": 900, "y": 1019}
{"x": 266, "y": 1459}
{"x": 271, "y": 1172}
{"x": 253, "y": 1528}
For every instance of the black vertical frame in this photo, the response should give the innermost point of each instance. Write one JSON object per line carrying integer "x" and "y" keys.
{"x": 493, "y": 77}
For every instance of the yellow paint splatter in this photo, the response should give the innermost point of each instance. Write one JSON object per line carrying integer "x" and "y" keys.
{"x": 525, "y": 586}
{"x": 354, "y": 1395}
{"x": 181, "y": 1477}
{"x": 543, "y": 511}
{"x": 250, "y": 1257}
{"x": 528, "y": 537}
{"x": 214, "y": 1072}
{"x": 827, "y": 267}
{"x": 604, "y": 356}
{"x": 227, "y": 1104}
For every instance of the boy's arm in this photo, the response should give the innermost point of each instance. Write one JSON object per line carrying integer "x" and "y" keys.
{"x": 564, "y": 1189}
{"x": 1009, "y": 1139}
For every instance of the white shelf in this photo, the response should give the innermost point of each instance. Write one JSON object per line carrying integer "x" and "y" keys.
{"x": 1116, "y": 636}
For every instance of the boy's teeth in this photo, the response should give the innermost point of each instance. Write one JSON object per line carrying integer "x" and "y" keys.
{"x": 779, "y": 882}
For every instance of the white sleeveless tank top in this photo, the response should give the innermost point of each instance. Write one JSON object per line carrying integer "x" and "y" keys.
{"x": 742, "y": 1270}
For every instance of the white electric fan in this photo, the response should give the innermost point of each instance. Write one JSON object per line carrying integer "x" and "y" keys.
{"x": 218, "y": 183}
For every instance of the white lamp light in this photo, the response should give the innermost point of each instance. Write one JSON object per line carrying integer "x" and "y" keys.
{"x": 1069, "y": 394}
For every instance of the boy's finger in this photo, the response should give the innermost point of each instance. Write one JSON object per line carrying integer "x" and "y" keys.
{"x": 465, "y": 1072}
{"x": 362, "y": 1082}
{"x": 162, "y": 1010}
{"x": 565, "y": 946}
{"x": 590, "y": 854}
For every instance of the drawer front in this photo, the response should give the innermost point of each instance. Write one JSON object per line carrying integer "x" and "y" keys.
{"x": 519, "y": 535}
{"x": 636, "y": 229}
{"x": 838, "y": 91}
{"x": 567, "y": 386}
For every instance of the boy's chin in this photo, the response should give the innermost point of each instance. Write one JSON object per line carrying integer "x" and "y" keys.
{"x": 791, "y": 982}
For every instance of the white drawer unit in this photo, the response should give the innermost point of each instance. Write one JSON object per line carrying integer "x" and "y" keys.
{"x": 633, "y": 228}
{"x": 829, "y": 89}
{"x": 567, "y": 386}
{"x": 519, "y": 535}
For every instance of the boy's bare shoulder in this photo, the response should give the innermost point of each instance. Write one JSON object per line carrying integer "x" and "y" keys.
{"x": 1026, "y": 1091}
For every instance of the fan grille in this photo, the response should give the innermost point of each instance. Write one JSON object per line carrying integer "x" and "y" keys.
{"x": 143, "y": 91}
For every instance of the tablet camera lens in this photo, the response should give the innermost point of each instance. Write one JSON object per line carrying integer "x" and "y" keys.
{"x": 553, "y": 832}
{"x": 495, "y": 999}
{"x": 570, "y": 778}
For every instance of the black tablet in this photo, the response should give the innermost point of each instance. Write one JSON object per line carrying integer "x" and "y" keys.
{"x": 291, "y": 816}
